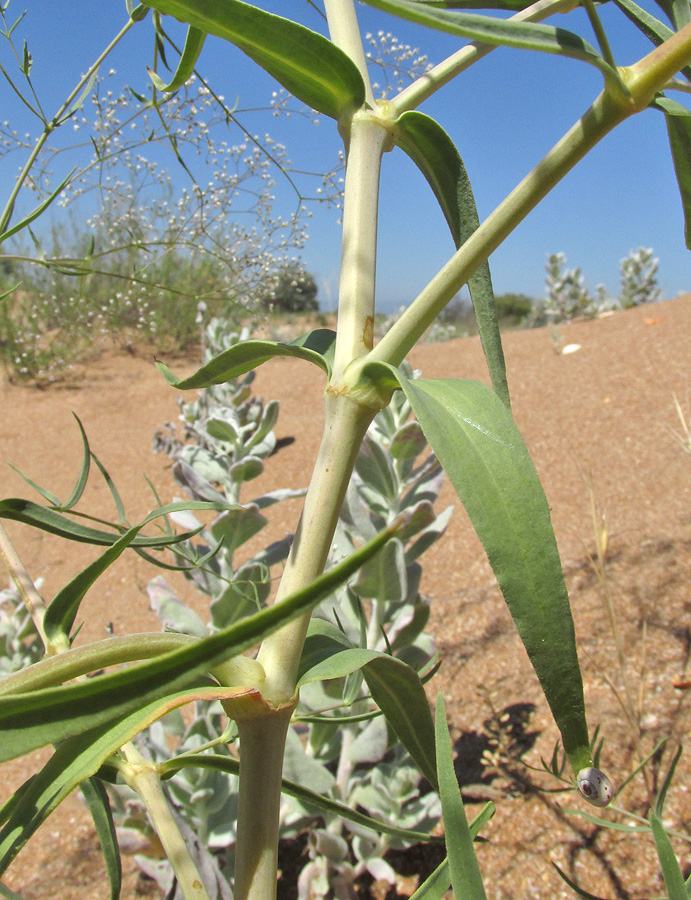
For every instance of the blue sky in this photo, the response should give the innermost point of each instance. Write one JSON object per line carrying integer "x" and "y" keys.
{"x": 504, "y": 114}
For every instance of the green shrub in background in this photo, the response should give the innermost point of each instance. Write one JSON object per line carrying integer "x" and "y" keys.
{"x": 294, "y": 291}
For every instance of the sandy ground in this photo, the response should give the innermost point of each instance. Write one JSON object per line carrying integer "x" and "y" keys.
{"x": 601, "y": 419}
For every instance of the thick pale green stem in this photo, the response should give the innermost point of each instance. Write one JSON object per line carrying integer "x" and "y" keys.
{"x": 262, "y": 742}
{"x": 368, "y": 140}
{"x": 344, "y": 428}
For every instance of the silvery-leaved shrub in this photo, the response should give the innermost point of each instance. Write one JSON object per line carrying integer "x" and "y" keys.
{"x": 638, "y": 273}
{"x": 20, "y": 642}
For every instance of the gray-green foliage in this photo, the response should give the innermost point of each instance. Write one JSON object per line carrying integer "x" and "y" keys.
{"x": 379, "y": 609}
{"x": 638, "y": 278}
{"x": 20, "y": 643}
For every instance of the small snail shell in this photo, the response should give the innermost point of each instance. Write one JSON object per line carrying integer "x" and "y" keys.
{"x": 595, "y": 787}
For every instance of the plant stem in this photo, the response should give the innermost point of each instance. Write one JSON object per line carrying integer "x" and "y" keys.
{"x": 262, "y": 742}
{"x": 458, "y": 62}
{"x": 368, "y": 138}
{"x": 27, "y": 589}
{"x": 141, "y": 775}
{"x": 345, "y": 34}
{"x": 344, "y": 428}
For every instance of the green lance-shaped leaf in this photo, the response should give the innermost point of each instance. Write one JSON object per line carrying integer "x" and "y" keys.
{"x": 49, "y": 520}
{"x": 53, "y": 670}
{"x": 194, "y": 43}
{"x": 435, "y": 154}
{"x": 399, "y": 694}
{"x": 671, "y": 871}
{"x": 34, "y": 214}
{"x": 99, "y": 806}
{"x": 307, "y": 64}
{"x": 478, "y": 444}
{"x": 50, "y": 715}
{"x": 316, "y": 347}
{"x": 466, "y": 879}
{"x": 505, "y": 32}
{"x": 397, "y": 690}
{"x": 678, "y": 119}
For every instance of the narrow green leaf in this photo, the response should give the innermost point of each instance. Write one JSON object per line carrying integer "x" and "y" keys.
{"x": 466, "y": 878}
{"x": 678, "y": 120}
{"x": 32, "y": 720}
{"x": 79, "y": 101}
{"x": 308, "y": 65}
{"x": 247, "y": 355}
{"x": 435, "y": 885}
{"x": 667, "y": 783}
{"x": 99, "y": 806}
{"x": 194, "y": 43}
{"x": 38, "y": 211}
{"x": 83, "y": 477}
{"x": 607, "y": 823}
{"x": 338, "y": 664}
{"x": 489, "y": 30}
{"x": 115, "y": 651}
{"x": 56, "y": 523}
{"x": 323, "y": 641}
{"x": 398, "y": 692}
{"x": 27, "y": 61}
{"x": 671, "y": 871}
{"x": 476, "y": 440}
{"x": 44, "y": 492}
{"x": 8, "y": 894}
{"x": 117, "y": 500}
{"x": 509, "y": 5}
{"x": 62, "y": 610}
{"x": 435, "y": 154}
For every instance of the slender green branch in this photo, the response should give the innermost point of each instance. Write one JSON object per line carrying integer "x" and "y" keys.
{"x": 596, "y": 24}
{"x": 55, "y": 123}
{"x": 642, "y": 81}
{"x": 426, "y": 85}
{"x": 141, "y": 776}
{"x": 605, "y": 113}
{"x": 650, "y": 74}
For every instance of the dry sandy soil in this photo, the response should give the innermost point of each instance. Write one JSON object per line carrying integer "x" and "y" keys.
{"x": 601, "y": 418}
